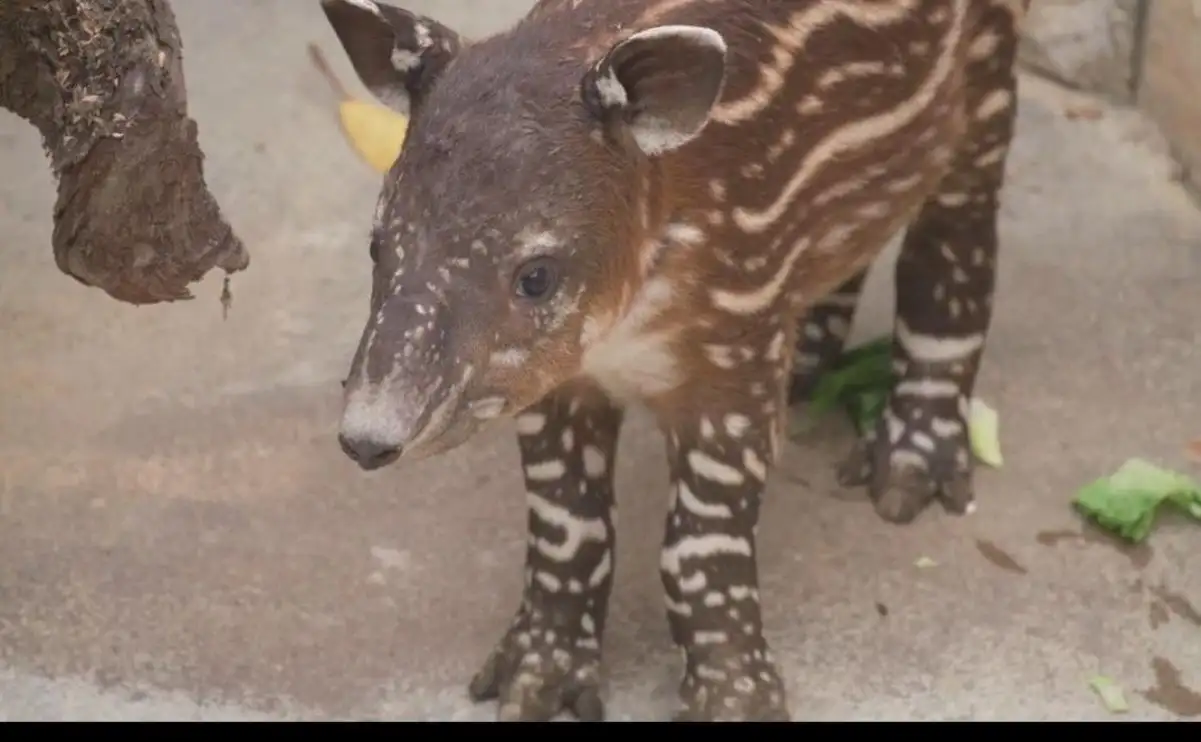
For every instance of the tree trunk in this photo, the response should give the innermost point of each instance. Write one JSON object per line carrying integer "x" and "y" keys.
{"x": 102, "y": 80}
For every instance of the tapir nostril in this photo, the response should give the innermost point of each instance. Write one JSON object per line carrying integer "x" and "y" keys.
{"x": 369, "y": 454}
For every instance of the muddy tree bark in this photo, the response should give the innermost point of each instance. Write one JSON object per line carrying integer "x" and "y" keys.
{"x": 103, "y": 82}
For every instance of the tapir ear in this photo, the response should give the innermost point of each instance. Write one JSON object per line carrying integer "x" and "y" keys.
{"x": 660, "y": 84}
{"x": 397, "y": 54}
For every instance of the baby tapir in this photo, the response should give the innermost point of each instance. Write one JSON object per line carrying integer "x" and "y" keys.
{"x": 673, "y": 203}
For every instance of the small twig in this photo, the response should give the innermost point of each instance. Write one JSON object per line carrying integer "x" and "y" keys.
{"x": 327, "y": 72}
{"x": 227, "y": 298}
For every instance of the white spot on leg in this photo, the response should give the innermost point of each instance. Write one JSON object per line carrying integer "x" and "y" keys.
{"x": 680, "y": 609}
{"x": 576, "y": 530}
{"x": 905, "y": 459}
{"x": 837, "y": 326}
{"x": 701, "y": 547}
{"x": 686, "y": 499}
{"x": 934, "y": 349}
{"x": 745, "y": 685}
{"x": 896, "y": 428}
{"x": 739, "y": 593}
{"x": 922, "y": 441}
{"x": 545, "y": 471}
{"x": 926, "y": 388}
{"x": 945, "y": 427}
{"x": 703, "y": 638}
{"x": 602, "y": 570}
{"x": 531, "y": 423}
{"x": 736, "y": 425}
{"x": 595, "y": 462}
{"x": 693, "y": 584}
{"x": 707, "y": 467}
{"x": 755, "y": 465}
{"x": 549, "y": 582}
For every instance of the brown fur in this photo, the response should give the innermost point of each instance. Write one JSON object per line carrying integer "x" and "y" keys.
{"x": 653, "y": 152}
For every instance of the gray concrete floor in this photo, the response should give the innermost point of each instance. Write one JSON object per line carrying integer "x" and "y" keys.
{"x": 181, "y": 538}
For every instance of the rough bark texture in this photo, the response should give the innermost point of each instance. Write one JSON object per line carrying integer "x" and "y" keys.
{"x": 103, "y": 82}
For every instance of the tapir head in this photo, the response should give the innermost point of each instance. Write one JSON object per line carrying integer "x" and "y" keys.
{"x": 505, "y": 231}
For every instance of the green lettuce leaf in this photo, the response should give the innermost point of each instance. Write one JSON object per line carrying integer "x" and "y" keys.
{"x": 983, "y": 424}
{"x": 859, "y": 384}
{"x": 1127, "y": 501}
{"x": 1110, "y": 694}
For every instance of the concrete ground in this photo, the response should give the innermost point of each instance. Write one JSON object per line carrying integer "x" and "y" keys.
{"x": 180, "y": 536}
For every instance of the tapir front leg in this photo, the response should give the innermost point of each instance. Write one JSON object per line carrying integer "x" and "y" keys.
{"x": 723, "y": 431}
{"x": 549, "y": 660}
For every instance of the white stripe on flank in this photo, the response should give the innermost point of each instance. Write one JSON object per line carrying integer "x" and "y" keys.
{"x": 851, "y": 136}
{"x": 863, "y": 131}
{"x": 791, "y": 37}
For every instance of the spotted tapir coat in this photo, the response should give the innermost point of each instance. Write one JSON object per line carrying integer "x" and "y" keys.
{"x": 673, "y": 203}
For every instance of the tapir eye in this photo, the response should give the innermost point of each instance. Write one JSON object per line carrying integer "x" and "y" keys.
{"x": 536, "y": 280}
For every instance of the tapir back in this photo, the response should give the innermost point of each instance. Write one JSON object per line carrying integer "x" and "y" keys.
{"x": 826, "y": 108}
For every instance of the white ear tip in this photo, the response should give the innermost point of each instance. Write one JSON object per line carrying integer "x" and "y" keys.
{"x": 700, "y": 35}
{"x": 366, "y": 5}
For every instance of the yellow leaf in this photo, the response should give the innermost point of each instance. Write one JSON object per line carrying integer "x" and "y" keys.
{"x": 375, "y": 132}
